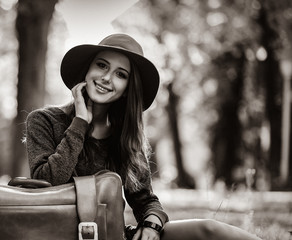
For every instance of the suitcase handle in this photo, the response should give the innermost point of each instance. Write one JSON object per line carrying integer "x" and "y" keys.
{"x": 25, "y": 182}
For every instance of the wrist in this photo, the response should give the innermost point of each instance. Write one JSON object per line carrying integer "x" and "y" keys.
{"x": 153, "y": 218}
{"x": 80, "y": 124}
{"x": 82, "y": 117}
{"x": 152, "y": 225}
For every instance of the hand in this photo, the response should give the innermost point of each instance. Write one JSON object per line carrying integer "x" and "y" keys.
{"x": 82, "y": 109}
{"x": 146, "y": 234}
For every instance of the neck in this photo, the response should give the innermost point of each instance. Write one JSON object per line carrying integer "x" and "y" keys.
{"x": 100, "y": 122}
{"x": 100, "y": 114}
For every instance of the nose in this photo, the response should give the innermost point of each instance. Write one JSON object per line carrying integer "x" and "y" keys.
{"x": 106, "y": 78}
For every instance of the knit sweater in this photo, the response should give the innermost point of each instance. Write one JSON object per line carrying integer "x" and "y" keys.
{"x": 54, "y": 143}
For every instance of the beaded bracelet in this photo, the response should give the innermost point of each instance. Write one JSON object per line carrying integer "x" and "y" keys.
{"x": 152, "y": 225}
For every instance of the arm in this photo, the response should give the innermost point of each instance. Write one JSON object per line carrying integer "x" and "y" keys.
{"x": 145, "y": 203}
{"x": 146, "y": 206}
{"x": 48, "y": 160}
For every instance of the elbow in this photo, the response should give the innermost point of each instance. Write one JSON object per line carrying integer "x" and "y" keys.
{"x": 39, "y": 173}
{"x": 44, "y": 172}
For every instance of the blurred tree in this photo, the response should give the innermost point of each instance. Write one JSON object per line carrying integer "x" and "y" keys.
{"x": 220, "y": 70}
{"x": 193, "y": 33}
{"x": 275, "y": 21}
{"x": 168, "y": 23}
{"x": 32, "y": 26}
{"x": 227, "y": 131}
{"x": 271, "y": 81}
{"x": 260, "y": 106}
{"x": 183, "y": 179}
{"x": 8, "y": 70}
{"x": 235, "y": 135}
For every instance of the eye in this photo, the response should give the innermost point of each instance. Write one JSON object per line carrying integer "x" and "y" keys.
{"x": 101, "y": 65}
{"x": 122, "y": 75}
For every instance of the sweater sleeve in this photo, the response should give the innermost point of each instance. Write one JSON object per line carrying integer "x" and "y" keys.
{"x": 144, "y": 202}
{"x": 48, "y": 160}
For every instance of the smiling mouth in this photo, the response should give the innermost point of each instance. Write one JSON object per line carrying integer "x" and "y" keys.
{"x": 102, "y": 89}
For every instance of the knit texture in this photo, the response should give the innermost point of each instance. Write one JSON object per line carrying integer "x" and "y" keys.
{"x": 54, "y": 143}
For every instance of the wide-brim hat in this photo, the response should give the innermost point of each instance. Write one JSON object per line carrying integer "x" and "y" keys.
{"x": 77, "y": 60}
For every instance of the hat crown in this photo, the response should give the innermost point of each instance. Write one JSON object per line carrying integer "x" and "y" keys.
{"x": 122, "y": 41}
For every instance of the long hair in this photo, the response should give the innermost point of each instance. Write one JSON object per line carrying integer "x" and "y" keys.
{"x": 129, "y": 148}
{"x": 126, "y": 116}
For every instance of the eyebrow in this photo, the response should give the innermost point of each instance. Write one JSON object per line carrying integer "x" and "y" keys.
{"x": 109, "y": 63}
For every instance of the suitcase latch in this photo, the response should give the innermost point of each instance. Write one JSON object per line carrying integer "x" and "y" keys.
{"x": 87, "y": 231}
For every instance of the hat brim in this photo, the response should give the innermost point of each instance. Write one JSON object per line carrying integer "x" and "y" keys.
{"x": 77, "y": 60}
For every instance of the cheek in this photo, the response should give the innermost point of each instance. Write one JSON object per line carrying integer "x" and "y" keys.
{"x": 87, "y": 76}
{"x": 124, "y": 88}
{"x": 93, "y": 71}
{"x": 121, "y": 85}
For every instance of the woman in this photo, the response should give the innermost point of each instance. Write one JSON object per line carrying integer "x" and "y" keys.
{"x": 112, "y": 84}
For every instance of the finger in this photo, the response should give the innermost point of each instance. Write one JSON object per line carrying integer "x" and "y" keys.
{"x": 82, "y": 84}
{"x": 150, "y": 234}
{"x": 144, "y": 236}
{"x": 137, "y": 234}
{"x": 76, "y": 90}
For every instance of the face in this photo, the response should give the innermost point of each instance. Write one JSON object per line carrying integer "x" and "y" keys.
{"x": 107, "y": 77}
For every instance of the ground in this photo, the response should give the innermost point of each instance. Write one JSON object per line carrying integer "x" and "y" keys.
{"x": 266, "y": 214}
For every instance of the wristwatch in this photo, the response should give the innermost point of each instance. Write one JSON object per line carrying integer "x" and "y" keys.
{"x": 152, "y": 225}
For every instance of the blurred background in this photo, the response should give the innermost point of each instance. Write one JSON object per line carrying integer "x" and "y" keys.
{"x": 220, "y": 125}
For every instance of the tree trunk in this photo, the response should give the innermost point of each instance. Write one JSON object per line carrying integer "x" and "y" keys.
{"x": 32, "y": 26}
{"x": 272, "y": 82}
{"x": 227, "y": 132}
{"x": 183, "y": 180}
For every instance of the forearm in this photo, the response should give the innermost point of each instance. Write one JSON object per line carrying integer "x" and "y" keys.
{"x": 56, "y": 165}
{"x": 145, "y": 203}
{"x": 51, "y": 160}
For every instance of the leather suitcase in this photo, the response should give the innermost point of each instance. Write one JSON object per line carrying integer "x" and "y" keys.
{"x": 90, "y": 208}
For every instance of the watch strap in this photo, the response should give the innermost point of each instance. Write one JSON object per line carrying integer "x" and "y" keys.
{"x": 152, "y": 225}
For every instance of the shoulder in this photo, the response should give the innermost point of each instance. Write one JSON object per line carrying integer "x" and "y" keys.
{"x": 50, "y": 115}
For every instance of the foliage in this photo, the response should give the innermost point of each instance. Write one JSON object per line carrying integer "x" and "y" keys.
{"x": 213, "y": 54}
{"x": 9, "y": 80}
{"x": 8, "y": 69}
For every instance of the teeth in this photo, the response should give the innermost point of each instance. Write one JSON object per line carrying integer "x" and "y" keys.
{"x": 101, "y": 88}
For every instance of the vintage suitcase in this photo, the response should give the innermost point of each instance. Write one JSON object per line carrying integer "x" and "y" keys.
{"x": 90, "y": 208}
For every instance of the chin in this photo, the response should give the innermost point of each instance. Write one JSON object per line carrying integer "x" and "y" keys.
{"x": 100, "y": 101}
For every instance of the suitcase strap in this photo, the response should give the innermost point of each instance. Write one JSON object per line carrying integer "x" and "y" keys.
{"x": 86, "y": 207}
